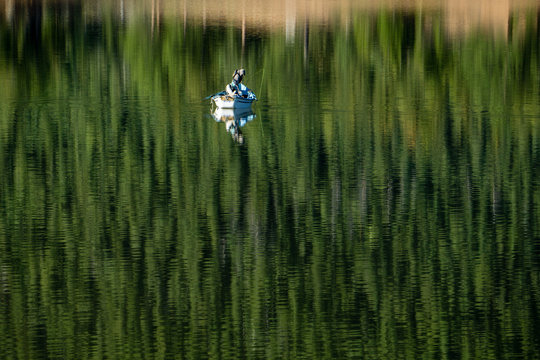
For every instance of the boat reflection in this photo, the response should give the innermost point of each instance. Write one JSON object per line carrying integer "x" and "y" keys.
{"x": 234, "y": 120}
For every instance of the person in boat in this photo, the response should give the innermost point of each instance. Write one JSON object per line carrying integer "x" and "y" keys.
{"x": 236, "y": 88}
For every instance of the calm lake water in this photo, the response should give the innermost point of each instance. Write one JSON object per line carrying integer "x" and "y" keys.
{"x": 381, "y": 201}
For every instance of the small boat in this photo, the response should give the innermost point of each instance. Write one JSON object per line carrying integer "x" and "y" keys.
{"x": 225, "y": 101}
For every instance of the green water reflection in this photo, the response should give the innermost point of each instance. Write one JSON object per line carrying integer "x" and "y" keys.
{"x": 384, "y": 202}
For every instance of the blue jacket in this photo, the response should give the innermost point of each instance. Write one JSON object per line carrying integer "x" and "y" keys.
{"x": 242, "y": 89}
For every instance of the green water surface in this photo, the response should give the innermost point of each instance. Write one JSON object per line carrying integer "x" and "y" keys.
{"x": 383, "y": 202}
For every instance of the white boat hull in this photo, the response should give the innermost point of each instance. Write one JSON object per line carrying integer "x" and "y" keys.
{"x": 232, "y": 102}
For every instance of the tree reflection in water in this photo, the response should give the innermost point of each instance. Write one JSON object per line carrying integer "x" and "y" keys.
{"x": 389, "y": 209}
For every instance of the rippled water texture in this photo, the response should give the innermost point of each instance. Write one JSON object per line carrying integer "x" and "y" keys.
{"x": 381, "y": 200}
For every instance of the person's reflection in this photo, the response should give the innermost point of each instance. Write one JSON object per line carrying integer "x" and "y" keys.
{"x": 234, "y": 120}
